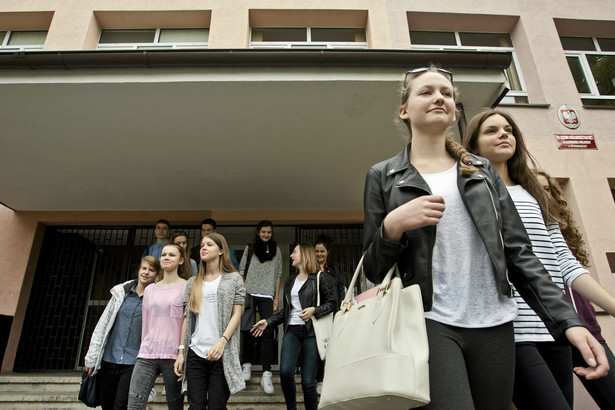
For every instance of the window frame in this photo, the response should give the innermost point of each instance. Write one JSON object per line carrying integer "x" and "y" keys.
{"x": 5, "y": 46}
{"x": 581, "y": 55}
{"x": 511, "y": 95}
{"x": 156, "y": 42}
{"x": 308, "y": 44}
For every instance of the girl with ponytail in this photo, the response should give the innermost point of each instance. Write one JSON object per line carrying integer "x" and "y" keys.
{"x": 445, "y": 217}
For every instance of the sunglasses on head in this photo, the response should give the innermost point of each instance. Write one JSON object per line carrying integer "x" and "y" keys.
{"x": 447, "y": 73}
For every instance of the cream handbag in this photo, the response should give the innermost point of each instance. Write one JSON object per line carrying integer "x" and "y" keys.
{"x": 322, "y": 326}
{"x": 378, "y": 353}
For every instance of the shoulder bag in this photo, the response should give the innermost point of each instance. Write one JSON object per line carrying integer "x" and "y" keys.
{"x": 87, "y": 391}
{"x": 248, "y": 317}
{"x": 378, "y": 352}
{"x": 322, "y": 325}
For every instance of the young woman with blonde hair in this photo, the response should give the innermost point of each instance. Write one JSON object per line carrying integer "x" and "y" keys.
{"x": 300, "y": 297}
{"x": 445, "y": 217}
{"x": 214, "y": 301}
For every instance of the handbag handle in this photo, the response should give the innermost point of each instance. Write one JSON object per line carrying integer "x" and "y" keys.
{"x": 318, "y": 289}
{"x": 393, "y": 270}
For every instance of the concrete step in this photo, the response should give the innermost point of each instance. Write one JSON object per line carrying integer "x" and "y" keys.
{"x": 59, "y": 391}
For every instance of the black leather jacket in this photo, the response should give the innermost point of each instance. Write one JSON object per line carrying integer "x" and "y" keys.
{"x": 307, "y": 297}
{"x": 336, "y": 275}
{"x": 394, "y": 182}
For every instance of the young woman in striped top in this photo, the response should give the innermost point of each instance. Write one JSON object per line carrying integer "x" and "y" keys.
{"x": 543, "y": 373}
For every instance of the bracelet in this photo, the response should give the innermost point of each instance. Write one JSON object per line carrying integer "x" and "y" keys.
{"x": 225, "y": 338}
{"x": 181, "y": 347}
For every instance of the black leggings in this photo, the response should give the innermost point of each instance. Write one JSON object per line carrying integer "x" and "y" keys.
{"x": 602, "y": 390}
{"x": 264, "y": 306}
{"x": 543, "y": 376}
{"x": 470, "y": 368}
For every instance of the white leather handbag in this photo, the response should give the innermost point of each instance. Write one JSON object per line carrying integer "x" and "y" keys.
{"x": 378, "y": 352}
{"x": 322, "y": 325}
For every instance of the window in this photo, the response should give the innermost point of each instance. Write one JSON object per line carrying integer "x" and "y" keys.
{"x": 154, "y": 38}
{"x": 308, "y": 37}
{"x": 592, "y": 64}
{"x": 449, "y": 40}
{"x": 22, "y": 40}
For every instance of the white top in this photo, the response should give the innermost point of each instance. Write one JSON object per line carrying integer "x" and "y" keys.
{"x": 550, "y": 247}
{"x": 207, "y": 332}
{"x": 466, "y": 292}
{"x": 295, "y": 304}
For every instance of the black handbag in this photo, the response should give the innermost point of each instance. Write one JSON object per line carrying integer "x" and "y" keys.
{"x": 87, "y": 392}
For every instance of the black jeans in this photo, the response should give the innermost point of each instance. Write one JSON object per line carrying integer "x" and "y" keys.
{"x": 113, "y": 383}
{"x": 602, "y": 390}
{"x": 543, "y": 376}
{"x": 264, "y": 306}
{"x": 207, "y": 387}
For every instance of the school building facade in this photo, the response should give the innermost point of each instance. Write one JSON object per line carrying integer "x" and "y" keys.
{"x": 116, "y": 114}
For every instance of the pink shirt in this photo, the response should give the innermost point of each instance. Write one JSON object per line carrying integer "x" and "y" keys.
{"x": 163, "y": 315}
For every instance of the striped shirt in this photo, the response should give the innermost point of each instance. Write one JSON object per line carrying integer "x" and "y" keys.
{"x": 550, "y": 247}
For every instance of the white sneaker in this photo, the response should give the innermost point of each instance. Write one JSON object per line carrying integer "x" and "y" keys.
{"x": 319, "y": 388}
{"x": 152, "y": 394}
{"x": 267, "y": 383}
{"x": 247, "y": 371}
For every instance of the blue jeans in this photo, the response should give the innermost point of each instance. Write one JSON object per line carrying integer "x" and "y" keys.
{"x": 143, "y": 379}
{"x": 297, "y": 341}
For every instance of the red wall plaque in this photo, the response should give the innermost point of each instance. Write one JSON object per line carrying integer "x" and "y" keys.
{"x": 572, "y": 141}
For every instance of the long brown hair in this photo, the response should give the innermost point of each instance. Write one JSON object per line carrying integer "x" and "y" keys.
{"x": 186, "y": 252}
{"x": 570, "y": 230}
{"x": 224, "y": 263}
{"x": 453, "y": 148}
{"x": 518, "y": 165}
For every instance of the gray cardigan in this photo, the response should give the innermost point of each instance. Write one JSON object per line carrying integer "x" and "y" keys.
{"x": 231, "y": 291}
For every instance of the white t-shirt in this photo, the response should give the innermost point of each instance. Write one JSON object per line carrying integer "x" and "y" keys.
{"x": 295, "y": 304}
{"x": 465, "y": 286}
{"x": 207, "y": 332}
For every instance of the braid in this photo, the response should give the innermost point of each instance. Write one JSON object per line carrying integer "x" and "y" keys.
{"x": 466, "y": 168}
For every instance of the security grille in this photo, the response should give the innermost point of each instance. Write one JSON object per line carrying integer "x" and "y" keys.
{"x": 346, "y": 249}
{"x": 78, "y": 266}
{"x": 76, "y": 269}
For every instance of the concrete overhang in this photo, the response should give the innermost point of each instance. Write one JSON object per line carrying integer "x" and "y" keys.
{"x": 209, "y": 129}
